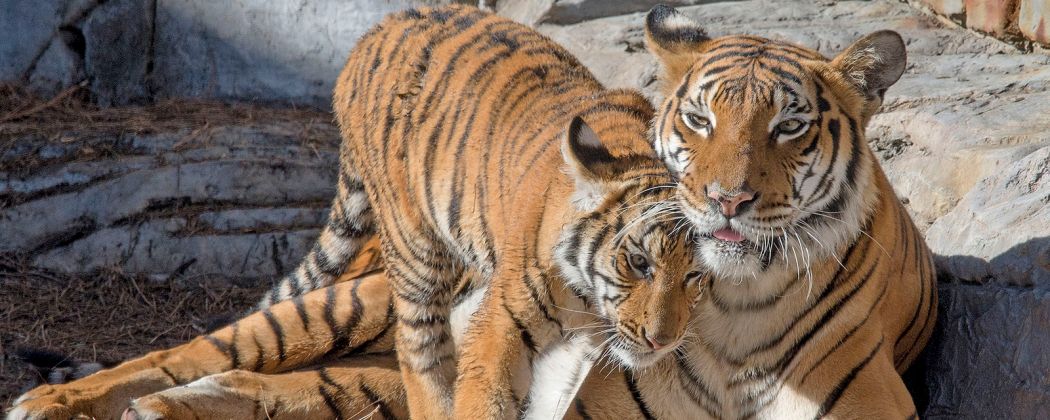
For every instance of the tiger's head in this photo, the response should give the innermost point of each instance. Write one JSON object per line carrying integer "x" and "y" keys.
{"x": 766, "y": 140}
{"x": 628, "y": 253}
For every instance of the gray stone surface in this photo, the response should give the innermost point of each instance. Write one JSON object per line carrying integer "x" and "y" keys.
{"x": 26, "y": 27}
{"x": 1003, "y": 225}
{"x": 240, "y": 201}
{"x": 59, "y": 67}
{"x": 564, "y": 12}
{"x": 117, "y": 57}
{"x": 29, "y": 33}
{"x": 279, "y": 51}
{"x": 289, "y": 51}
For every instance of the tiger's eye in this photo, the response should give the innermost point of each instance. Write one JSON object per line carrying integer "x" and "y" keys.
{"x": 789, "y": 126}
{"x": 640, "y": 263}
{"x": 695, "y": 121}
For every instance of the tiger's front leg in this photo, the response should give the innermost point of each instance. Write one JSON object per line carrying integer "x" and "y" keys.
{"x": 507, "y": 336}
{"x": 352, "y": 388}
{"x": 354, "y": 316}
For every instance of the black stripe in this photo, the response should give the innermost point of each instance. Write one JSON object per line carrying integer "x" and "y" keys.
{"x": 363, "y": 346}
{"x": 235, "y": 353}
{"x": 278, "y": 333}
{"x": 836, "y": 392}
{"x": 341, "y": 335}
{"x": 637, "y": 396}
{"x": 581, "y": 410}
{"x": 373, "y": 399}
{"x": 841, "y": 275}
{"x": 170, "y": 375}
{"x": 300, "y": 309}
{"x": 260, "y": 358}
{"x": 706, "y": 397}
{"x": 219, "y": 344}
{"x": 526, "y": 337}
{"x": 329, "y": 401}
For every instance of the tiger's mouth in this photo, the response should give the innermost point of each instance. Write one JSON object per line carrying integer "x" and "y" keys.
{"x": 729, "y": 239}
{"x": 635, "y": 356}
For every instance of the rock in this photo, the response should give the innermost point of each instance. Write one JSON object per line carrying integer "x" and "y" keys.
{"x": 1002, "y": 226}
{"x": 950, "y": 8}
{"x": 232, "y": 201}
{"x": 118, "y": 50}
{"x": 26, "y": 26}
{"x": 565, "y": 12}
{"x": 990, "y": 16}
{"x": 1034, "y": 20}
{"x": 258, "y": 50}
{"x": 987, "y": 359}
{"x": 59, "y": 67}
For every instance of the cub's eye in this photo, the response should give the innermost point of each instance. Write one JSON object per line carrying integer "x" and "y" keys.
{"x": 696, "y": 122}
{"x": 790, "y": 128}
{"x": 640, "y": 264}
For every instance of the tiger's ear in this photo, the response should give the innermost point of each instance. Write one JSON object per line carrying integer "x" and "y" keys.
{"x": 591, "y": 165}
{"x": 873, "y": 64}
{"x": 675, "y": 39}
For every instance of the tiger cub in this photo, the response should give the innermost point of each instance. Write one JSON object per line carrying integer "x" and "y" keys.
{"x": 466, "y": 131}
{"x": 499, "y": 175}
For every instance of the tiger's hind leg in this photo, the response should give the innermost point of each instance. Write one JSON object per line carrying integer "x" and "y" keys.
{"x": 352, "y": 388}
{"x": 351, "y": 317}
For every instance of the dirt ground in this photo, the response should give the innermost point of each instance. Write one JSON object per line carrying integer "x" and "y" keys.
{"x": 105, "y": 317}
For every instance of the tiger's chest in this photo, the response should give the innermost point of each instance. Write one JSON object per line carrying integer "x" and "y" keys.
{"x": 698, "y": 384}
{"x": 735, "y": 365}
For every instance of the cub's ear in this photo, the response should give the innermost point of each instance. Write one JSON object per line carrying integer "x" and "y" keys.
{"x": 674, "y": 39}
{"x": 591, "y": 165}
{"x": 873, "y": 63}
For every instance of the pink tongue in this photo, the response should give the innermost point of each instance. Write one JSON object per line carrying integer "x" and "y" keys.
{"x": 728, "y": 234}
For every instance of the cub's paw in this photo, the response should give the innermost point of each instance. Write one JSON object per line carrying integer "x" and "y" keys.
{"x": 225, "y": 395}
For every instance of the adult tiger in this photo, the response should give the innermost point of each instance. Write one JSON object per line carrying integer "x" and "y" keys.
{"x": 466, "y": 133}
{"x": 823, "y": 288}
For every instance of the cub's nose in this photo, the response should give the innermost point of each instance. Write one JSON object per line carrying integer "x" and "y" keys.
{"x": 730, "y": 204}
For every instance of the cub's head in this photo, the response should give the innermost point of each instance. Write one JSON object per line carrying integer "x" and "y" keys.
{"x": 630, "y": 253}
{"x": 766, "y": 140}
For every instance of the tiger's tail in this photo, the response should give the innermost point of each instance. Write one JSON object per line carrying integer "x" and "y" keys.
{"x": 351, "y": 225}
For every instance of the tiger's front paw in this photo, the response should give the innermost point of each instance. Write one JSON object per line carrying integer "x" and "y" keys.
{"x": 226, "y": 395}
{"x": 96, "y": 396}
{"x": 50, "y": 402}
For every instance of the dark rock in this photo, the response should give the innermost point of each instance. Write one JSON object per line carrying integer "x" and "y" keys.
{"x": 987, "y": 358}
{"x": 118, "y": 36}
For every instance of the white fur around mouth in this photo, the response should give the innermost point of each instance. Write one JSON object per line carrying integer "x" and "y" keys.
{"x": 638, "y": 357}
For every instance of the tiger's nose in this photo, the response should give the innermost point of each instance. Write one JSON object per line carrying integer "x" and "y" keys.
{"x": 730, "y": 204}
{"x": 657, "y": 342}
